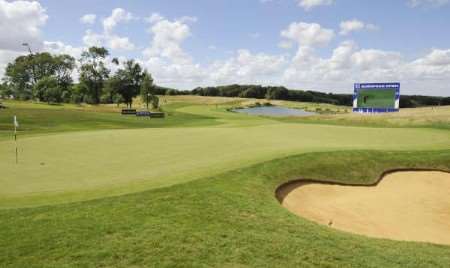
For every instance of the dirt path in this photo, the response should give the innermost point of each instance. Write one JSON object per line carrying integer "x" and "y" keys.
{"x": 412, "y": 206}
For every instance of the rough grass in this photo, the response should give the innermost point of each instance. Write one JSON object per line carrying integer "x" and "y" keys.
{"x": 427, "y": 117}
{"x": 38, "y": 119}
{"x": 230, "y": 220}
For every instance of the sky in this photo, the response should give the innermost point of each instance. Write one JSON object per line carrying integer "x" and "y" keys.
{"x": 324, "y": 45}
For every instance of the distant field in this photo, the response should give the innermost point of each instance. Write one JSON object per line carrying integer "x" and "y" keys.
{"x": 381, "y": 98}
{"x": 426, "y": 117}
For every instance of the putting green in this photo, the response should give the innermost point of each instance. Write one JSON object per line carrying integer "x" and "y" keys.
{"x": 85, "y": 165}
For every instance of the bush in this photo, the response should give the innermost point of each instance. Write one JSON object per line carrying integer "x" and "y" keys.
{"x": 105, "y": 98}
{"x": 118, "y": 99}
{"x": 88, "y": 99}
{"x": 155, "y": 102}
{"x": 171, "y": 92}
{"x": 76, "y": 98}
{"x": 48, "y": 90}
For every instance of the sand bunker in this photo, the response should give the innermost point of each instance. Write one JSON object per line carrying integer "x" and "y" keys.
{"x": 407, "y": 205}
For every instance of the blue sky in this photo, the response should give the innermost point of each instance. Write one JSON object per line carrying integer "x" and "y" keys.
{"x": 306, "y": 44}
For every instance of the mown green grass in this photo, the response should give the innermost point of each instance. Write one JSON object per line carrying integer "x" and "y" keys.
{"x": 90, "y": 164}
{"x": 229, "y": 220}
{"x": 199, "y": 186}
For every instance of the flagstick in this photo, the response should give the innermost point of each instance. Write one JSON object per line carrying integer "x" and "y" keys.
{"x": 15, "y": 140}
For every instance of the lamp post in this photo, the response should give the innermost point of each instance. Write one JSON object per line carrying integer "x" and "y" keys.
{"x": 28, "y": 46}
{"x": 148, "y": 97}
{"x": 31, "y": 57}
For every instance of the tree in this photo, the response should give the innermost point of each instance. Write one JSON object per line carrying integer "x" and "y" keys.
{"x": 171, "y": 92}
{"x": 115, "y": 61}
{"x": 129, "y": 81}
{"x": 5, "y": 90}
{"x": 155, "y": 102}
{"x": 126, "y": 82}
{"x": 63, "y": 67}
{"x": 118, "y": 99}
{"x": 277, "y": 93}
{"x": 147, "y": 87}
{"x": 26, "y": 71}
{"x": 93, "y": 71}
{"x": 48, "y": 90}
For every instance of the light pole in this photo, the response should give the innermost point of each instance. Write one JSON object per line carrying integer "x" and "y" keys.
{"x": 31, "y": 58}
{"x": 148, "y": 97}
{"x": 28, "y": 46}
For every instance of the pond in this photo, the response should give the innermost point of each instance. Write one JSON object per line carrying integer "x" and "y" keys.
{"x": 273, "y": 111}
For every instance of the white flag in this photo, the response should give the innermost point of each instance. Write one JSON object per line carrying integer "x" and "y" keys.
{"x": 16, "y": 123}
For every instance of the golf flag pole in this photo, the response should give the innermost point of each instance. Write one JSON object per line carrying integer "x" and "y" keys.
{"x": 16, "y": 125}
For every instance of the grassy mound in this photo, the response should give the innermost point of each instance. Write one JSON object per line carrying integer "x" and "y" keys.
{"x": 230, "y": 220}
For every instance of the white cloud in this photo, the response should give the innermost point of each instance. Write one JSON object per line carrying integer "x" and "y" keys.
{"x": 111, "y": 41}
{"x": 310, "y": 4}
{"x": 165, "y": 57}
{"x": 308, "y": 34}
{"x": 188, "y": 19}
{"x": 108, "y": 38}
{"x": 154, "y": 17}
{"x": 59, "y": 47}
{"x": 427, "y": 75}
{"x": 167, "y": 39}
{"x": 355, "y": 26}
{"x": 432, "y": 3}
{"x": 246, "y": 67}
{"x": 369, "y": 59}
{"x": 437, "y": 57}
{"x": 88, "y": 19}
{"x": 20, "y": 22}
{"x": 117, "y": 16}
{"x": 341, "y": 57}
{"x": 171, "y": 65}
{"x": 7, "y": 56}
{"x": 306, "y": 69}
{"x": 92, "y": 39}
{"x": 285, "y": 44}
{"x": 119, "y": 43}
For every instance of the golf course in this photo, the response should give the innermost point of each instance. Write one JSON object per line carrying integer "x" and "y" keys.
{"x": 198, "y": 188}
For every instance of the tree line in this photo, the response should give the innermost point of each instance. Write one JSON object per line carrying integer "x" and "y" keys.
{"x": 273, "y": 93}
{"x": 282, "y": 93}
{"x": 48, "y": 78}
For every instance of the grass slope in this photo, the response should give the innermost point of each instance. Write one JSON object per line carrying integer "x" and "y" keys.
{"x": 38, "y": 119}
{"x": 230, "y": 220}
